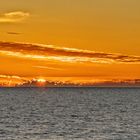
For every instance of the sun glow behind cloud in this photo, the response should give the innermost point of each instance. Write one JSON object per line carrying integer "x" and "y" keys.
{"x": 9, "y": 81}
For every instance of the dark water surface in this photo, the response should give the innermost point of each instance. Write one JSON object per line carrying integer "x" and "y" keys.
{"x": 70, "y": 114}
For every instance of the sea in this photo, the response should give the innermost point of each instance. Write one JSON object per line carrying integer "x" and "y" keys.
{"x": 72, "y": 113}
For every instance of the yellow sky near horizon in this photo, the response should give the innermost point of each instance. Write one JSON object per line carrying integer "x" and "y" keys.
{"x": 108, "y": 29}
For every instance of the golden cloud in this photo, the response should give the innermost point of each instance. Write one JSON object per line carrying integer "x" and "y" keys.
{"x": 13, "y": 17}
{"x": 71, "y": 55}
{"x": 12, "y": 80}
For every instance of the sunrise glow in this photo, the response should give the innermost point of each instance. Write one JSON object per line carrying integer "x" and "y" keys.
{"x": 69, "y": 42}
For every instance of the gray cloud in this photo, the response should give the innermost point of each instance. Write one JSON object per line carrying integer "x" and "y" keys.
{"x": 13, "y": 33}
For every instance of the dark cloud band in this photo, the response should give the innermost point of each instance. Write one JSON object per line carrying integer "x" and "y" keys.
{"x": 54, "y": 51}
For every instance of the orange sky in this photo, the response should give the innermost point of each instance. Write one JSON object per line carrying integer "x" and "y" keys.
{"x": 72, "y": 40}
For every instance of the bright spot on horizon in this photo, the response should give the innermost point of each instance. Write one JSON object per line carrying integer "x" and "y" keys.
{"x": 41, "y": 80}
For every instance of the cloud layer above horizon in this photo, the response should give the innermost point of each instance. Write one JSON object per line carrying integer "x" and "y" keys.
{"x": 22, "y": 62}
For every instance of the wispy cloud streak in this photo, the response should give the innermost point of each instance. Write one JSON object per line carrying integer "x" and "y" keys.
{"x": 45, "y": 67}
{"x": 50, "y": 52}
{"x": 13, "y": 17}
{"x": 13, "y": 33}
